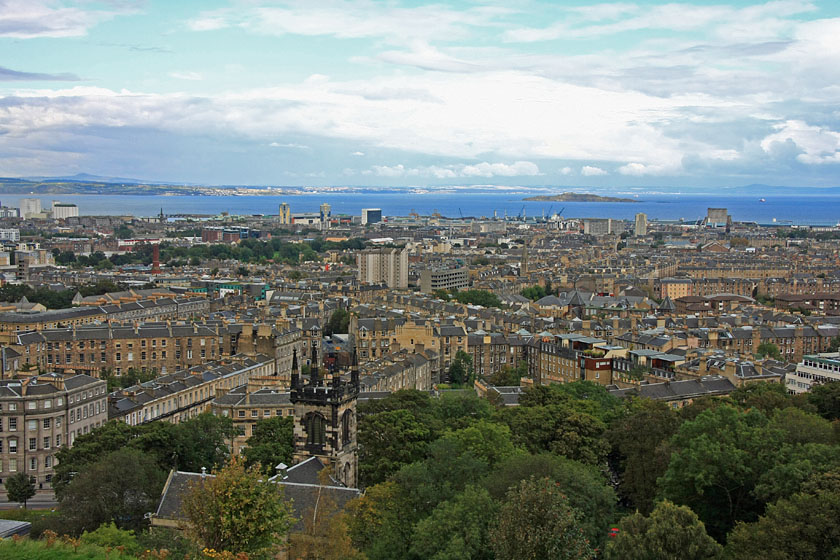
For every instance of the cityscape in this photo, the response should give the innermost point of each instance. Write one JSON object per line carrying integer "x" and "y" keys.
{"x": 379, "y": 280}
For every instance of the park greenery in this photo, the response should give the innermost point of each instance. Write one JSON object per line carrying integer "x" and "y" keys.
{"x": 752, "y": 475}
{"x": 52, "y": 299}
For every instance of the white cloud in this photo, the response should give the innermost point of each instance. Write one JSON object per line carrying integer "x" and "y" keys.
{"x": 591, "y": 171}
{"x": 483, "y": 169}
{"x": 290, "y": 146}
{"x": 566, "y": 171}
{"x": 194, "y": 76}
{"x": 357, "y": 154}
{"x": 640, "y": 169}
{"x": 352, "y": 19}
{"x": 28, "y": 19}
{"x": 819, "y": 145}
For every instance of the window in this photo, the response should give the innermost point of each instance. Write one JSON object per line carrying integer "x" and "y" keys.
{"x": 12, "y": 465}
{"x": 31, "y": 405}
{"x": 48, "y": 462}
{"x": 316, "y": 428}
{"x": 32, "y": 425}
{"x": 33, "y": 444}
{"x": 12, "y": 406}
{"x": 119, "y": 357}
{"x": 48, "y": 404}
{"x": 242, "y": 414}
{"x": 13, "y": 445}
{"x": 58, "y": 440}
{"x": 33, "y": 464}
{"x": 255, "y": 413}
{"x": 12, "y": 424}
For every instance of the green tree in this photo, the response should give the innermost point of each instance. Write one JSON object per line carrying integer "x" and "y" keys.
{"x": 19, "y": 488}
{"x": 272, "y": 442}
{"x": 640, "y": 447}
{"x": 716, "y": 463}
{"x": 478, "y": 297}
{"x": 533, "y": 293}
{"x": 120, "y": 487}
{"x": 458, "y": 528}
{"x": 108, "y": 535}
{"x": 801, "y": 527}
{"x": 380, "y": 522}
{"x": 236, "y": 511}
{"x": 826, "y": 397}
{"x": 461, "y": 370}
{"x": 669, "y": 532}
{"x": 766, "y": 397}
{"x": 339, "y": 323}
{"x": 509, "y": 376}
{"x": 584, "y": 486}
{"x": 387, "y": 441}
{"x": 768, "y": 350}
{"x": 535, "y": 522}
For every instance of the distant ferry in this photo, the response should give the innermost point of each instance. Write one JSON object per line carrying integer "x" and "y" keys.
{"x": 762, "y": 200}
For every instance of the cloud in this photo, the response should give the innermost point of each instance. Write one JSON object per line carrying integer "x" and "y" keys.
{"x": 483, "y": 169}
{"x": 640, "y": 169}
{"x": 28, "y": 19}
{"x": 357, "y": 154}
{"x": 290, "y": 146}
{"x": 566, "y": 171}
{"x": 192, "y": 76}
{"x": 592, "y": 171}
{"x": 9, "y": 75}
{"x": 818, "y": 145}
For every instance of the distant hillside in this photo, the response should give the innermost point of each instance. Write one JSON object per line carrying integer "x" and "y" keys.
{"x": 57, "y": 186}
{"x": 577, "y": 197}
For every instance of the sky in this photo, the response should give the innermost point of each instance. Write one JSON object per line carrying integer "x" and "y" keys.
{"x": 360, "y": 92}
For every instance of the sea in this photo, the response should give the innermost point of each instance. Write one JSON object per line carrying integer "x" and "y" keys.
{"x": 769, "y": 210}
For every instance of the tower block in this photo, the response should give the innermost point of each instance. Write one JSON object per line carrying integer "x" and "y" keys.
{"x": 325, "y": 423}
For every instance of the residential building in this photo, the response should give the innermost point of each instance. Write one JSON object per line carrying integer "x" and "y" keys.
{"x": 814, "y": 369}
{"x": 64, "y": 210}
{"x": 383, "y": 265}
{"x": 640, "y": 229}
{"x": 432, "y": 279}
{"x": 40, "y": 414}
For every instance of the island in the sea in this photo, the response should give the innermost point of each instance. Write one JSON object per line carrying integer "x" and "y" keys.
{"x": 577, "y": 197}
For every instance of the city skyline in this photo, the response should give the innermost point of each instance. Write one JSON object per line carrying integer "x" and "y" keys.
{"x": 406, "y": 93}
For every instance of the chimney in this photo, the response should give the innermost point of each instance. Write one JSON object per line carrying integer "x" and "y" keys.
{"x": 703, "y": 366}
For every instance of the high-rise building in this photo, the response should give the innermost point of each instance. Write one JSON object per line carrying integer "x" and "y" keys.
{"x": 285, "y": 214}
{"x": 371, "y": 215}
{"x": 597, "y": 226}
{"x": 9, "y": 235}
{"x": 64, "y": 210}
{"x": 641, "y": 225}
{"x": 717, "y": 217}
{"x": 30, "y": 207}
{"x": 388, "y": 266}
{"x": 325, "y": 216}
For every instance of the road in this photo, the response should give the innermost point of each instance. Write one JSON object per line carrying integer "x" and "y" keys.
{"x": 43, "y": 499}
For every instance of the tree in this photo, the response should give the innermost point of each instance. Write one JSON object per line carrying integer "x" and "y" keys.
{"x": 120, "y": 487}
{"x": 478, "y": 297}
{"x": 20, "y": 488}
{"x": 325, "y": 535}
{"x": 640, "y": 449}
{"x": 768, "y": 350}
{"x": 671, "y": 531}
{"x": 509, "y": 376}
{"x": 717, "y": 461}
{"x": 236, "y": 511}
{"x": 461, "y": 370}
{"x": 379, "y": 522}
{"x": 801, "y": 527}
{"x": 339, "y": 323}
{"x": 583, "y": 485}
{"x": 766, "y": 397}
{"x": 457, "y": 528}
{"x": 387, "y": 441}
{"x": 109, "y": 535}
{"x": 826, "y": 397}
{"x": 271, "y": 443}
{"x": 536, "y": 522}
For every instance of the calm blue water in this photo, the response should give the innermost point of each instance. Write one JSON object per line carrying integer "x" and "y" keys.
{"x": 816, "y": 210}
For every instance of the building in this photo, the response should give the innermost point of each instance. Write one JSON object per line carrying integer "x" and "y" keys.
{"x": 246, "y": 407}
{"x": 389, "y": 266}
{"x": 675, "y": 288}
{"x": 185, "y": 394}
{"x": 717, "y": 217}
{"x": 7, "y": 212}
{"x": 285, "y": 214}
{"x": 326, "y": 215}
{"x": 432, "y": 279}
{"x": 598, "y": 226}
{"x": 640, "y": 229}
{"x": 30, "y": 207}
{"x": 64, "y": 210}
{"x": 371, "y": 215}
{"x": 9, "y": 235}
{"x": 325, "y": 424}
{"x": 813, "y": 370}
{"x": 42, "y": 413}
